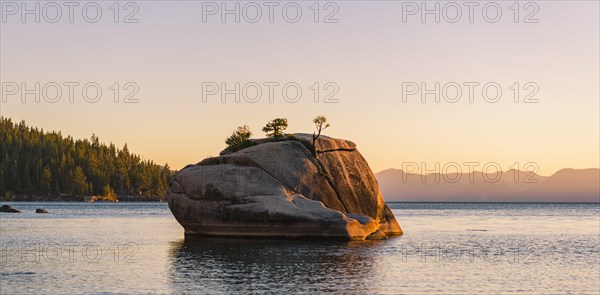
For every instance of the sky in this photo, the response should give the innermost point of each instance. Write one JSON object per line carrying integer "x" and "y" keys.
{"x": 371, "y": 62}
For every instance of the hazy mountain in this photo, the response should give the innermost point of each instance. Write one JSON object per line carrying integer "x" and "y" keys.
{"x": 566, "y": 185}
{"x": 570, "y": 185}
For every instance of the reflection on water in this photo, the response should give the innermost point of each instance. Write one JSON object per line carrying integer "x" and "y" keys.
{"x": 215, "y": 265}
{"x": 446, "y": 249}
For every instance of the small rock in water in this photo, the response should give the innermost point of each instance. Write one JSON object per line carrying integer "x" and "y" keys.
{"x": 9, "y": 209}
{"x": 39, "y": 210}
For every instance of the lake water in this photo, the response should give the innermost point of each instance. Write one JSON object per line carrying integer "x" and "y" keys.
{"x": 447, "y": 248}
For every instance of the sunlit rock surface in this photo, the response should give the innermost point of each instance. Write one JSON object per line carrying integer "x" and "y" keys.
{"x": 279, "y": 189}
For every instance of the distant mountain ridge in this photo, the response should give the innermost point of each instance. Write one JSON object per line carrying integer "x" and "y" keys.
{"x": 566, "y": 185}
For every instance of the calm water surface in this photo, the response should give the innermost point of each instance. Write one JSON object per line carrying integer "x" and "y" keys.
{"x": 447, "y": 248}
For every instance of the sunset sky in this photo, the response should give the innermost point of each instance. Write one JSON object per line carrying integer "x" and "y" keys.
{"x": 369, "y": 53}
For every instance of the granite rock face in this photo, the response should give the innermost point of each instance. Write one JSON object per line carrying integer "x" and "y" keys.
{"x": 279, "y": 189}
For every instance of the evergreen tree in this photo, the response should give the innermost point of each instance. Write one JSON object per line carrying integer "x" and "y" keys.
{"x": 46, "y": 185}
{"x": 79, "y": 184}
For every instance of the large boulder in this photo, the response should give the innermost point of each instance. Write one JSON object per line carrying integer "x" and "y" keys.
{"x": 279, "y": 189}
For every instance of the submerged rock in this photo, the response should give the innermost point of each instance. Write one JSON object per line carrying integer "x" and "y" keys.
{"x": 9, "y": 209}
{"x": 279, "y": 189}
{"x": 39, "y": 210}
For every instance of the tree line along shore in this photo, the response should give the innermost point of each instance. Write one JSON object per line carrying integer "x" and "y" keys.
{"x": 46, "y": 166}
